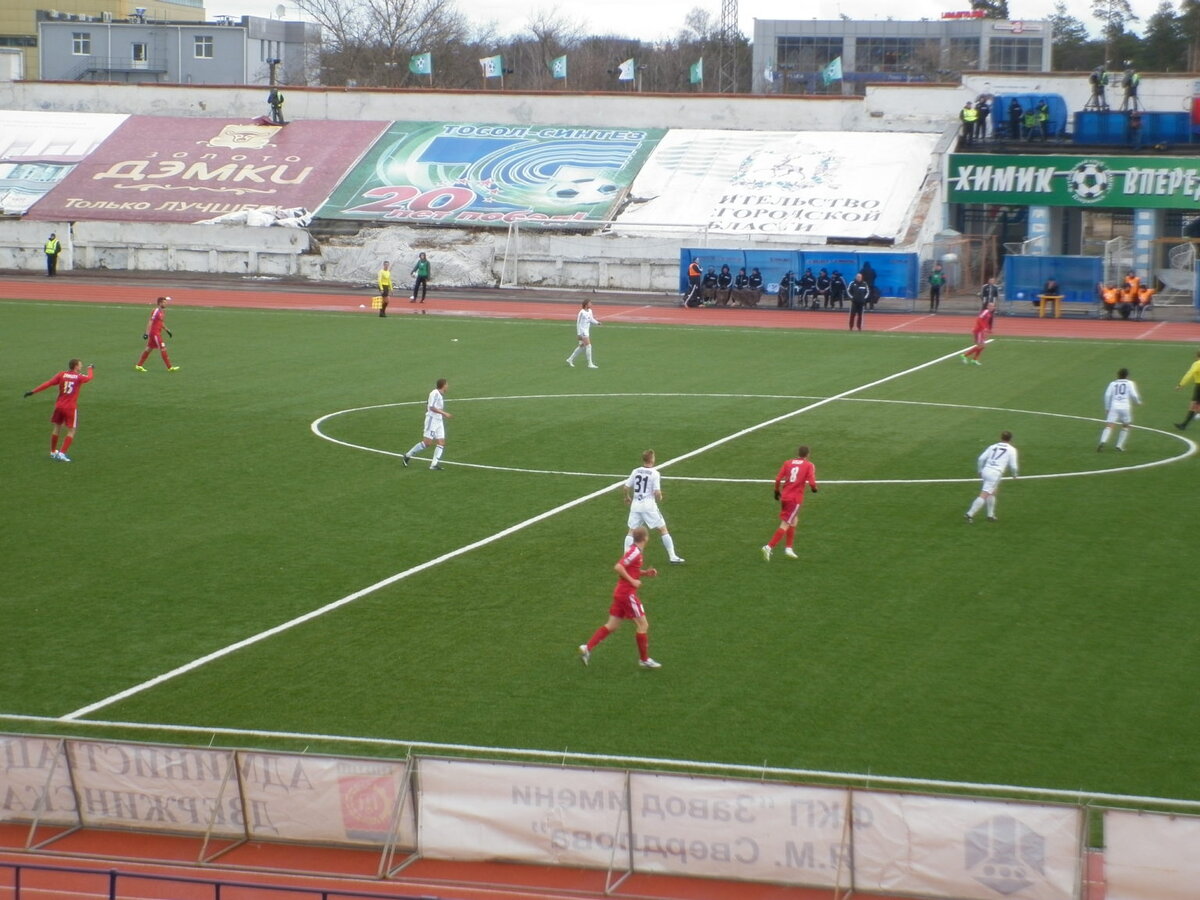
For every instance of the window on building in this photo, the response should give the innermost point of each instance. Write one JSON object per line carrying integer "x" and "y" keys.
{"x": 203, "y": 47}
{"x": 799, "y": 61}
{"x": 1015, "y": 54}
{"x": 81, "y": 43}
{"x": 887, "y": 54}
{"x": 964, "y": 54}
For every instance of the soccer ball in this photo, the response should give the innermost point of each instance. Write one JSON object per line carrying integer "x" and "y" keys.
{"x": 582, "y": 190}
{"x": 1089, "y": 181}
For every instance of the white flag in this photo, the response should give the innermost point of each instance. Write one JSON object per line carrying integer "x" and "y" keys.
{"x": 769, "y": 74}
{"x": 493, "y": 66}
{"x": 625, "y": 71}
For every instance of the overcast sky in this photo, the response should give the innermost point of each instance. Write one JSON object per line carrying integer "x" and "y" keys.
{"x": 653, "y": 19}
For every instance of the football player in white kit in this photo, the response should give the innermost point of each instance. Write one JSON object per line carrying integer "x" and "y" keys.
{"x": 1119, "y": 397}
{"x": 992, "y": 464}
{"x": 643, "y": 491}
{"x": 434, "y": 431}
{"x": 583, "y": 328}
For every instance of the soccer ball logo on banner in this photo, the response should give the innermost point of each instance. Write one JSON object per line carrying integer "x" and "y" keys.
{"x": 1089, "y": 181}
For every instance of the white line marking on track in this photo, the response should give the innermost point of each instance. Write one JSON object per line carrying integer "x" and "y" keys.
{"x": 467, "y": 548}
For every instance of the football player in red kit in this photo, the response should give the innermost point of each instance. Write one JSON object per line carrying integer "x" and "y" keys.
{"x": 979, "y": 332}
{"x": 66, "y": 413}
{"x": 153, "y": 336}
{"x": 789, "y": 491}
{"x": 626, "y": 605}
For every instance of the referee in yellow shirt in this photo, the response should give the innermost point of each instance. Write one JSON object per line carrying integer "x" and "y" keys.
{"x": 385, "y": 287}
{"x": 1192, "y": 377}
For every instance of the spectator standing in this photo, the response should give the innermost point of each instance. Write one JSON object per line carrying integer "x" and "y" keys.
{"x": 1015, "y": 116}
{"x": 66, "y": 412}
{"x": 53, "y": 248}
{"x": 1119, "y": 397}
{"x": 937, "y": 280}
{"x": 968, "y": 116}
{"x": 869, "y": 276}
{"x": 420, "y": 274}
{"x": 859, "y": 295}
{"x": 983, "y": 109}
{"x": 992, "y": 464}
{"x": 1043, "y": 118}
{"x": 275, "y": 101}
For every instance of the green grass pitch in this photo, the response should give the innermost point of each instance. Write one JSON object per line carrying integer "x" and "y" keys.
{"x": 1056, "y": 648}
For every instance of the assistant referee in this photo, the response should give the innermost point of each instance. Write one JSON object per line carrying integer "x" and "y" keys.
{"x": 1192, "y": 377}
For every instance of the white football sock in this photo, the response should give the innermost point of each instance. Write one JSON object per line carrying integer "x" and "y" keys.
{"x": 628, "y": 541}
{"x": 991, "y": 505}
{"x": 669, "y": 543}
{"x": 417, "y": 448}
{"x": 1105, "y": 435}
{"x": 587, "y": 351}
{"x": 975, "y": 506}
{"x": 437, "y": 454}
{"x": 1121, "y": 439}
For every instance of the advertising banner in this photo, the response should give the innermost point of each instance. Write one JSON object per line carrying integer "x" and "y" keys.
{"x": 966, "y": 849}
{"x": 811, "y": 184}
{"x": 35, "y": 781}
{"x": 532, "y": 814}
{"x": 170, "y": 169}
{"x": 38, "y": 149}
{"x": 1150, "y": 856}
{"x": 479, "y": 174}
{"x": 295, "y": 797}
{"x": 740, "y": 830}
{"x": 1140, "y": 182}
{"x": 177, "y": 789}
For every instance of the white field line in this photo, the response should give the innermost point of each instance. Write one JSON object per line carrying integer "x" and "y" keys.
{"x": 1191, "y": 447}
{"x": 475, "y": 545}
{"x": 558, "y": 757}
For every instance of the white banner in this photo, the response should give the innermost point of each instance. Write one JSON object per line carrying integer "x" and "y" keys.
{"x": 1150, "y": 856}
{"x": 34, "y": 770}
{"x": 324, "y": 799}
{"x": 544, "y": 815}
{"x": 174, "y": 789}
{"x": 38, "y": 149}
{"x": 740, "y": 830}
{"x": 968, "y": 849}
{"x": 811, "y": 184}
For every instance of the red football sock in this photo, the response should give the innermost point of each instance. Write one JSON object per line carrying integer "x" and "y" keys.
{"x": 791, "y": 536}
{"x": 166, "y": 359}
{"x": 53, "y": 442}
{"x": 776, "y": 537}
{"x": 143, "y": 359}
{"x": 601, "y": 633}
{"x": 643, "y": 642}
{"x": 67, "y": 442}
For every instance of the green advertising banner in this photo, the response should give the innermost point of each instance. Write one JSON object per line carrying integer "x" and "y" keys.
{"x": 1140, "y": 182}
{"x": 480, "y": 174}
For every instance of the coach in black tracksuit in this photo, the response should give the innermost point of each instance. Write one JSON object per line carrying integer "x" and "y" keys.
{"x": 859, "y": 293}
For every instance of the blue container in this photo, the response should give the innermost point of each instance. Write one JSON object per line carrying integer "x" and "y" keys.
{"x": 1166, "y": 128}
{"x": 1102, "y": 127}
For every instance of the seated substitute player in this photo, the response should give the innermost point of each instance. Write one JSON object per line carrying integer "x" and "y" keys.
{"x": 626, "y": 605}
{"x": 789, "y": 491}
{"x": 643, "y": 493}
{"x": 434, "y": 431}
{"x": 153, "y": 336}
{"x": 992, "y": 464}
{"x": 584, "y": 321}
{"x": 66, "y": 412}
{"x": 1119, "y": 397}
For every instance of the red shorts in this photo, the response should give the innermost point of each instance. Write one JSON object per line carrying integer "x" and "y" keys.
{"x": 789, "y": 510}
{"x": 979, "y": 336}
{"x": 155, "y": 342}
{"x": 66, "y": 417}
{"x": 626, "y": 607}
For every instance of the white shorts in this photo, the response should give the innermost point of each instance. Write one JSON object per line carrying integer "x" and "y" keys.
{"x": 991, "y": 480}
{"x": 435, "y": 428}
{"x": 1120, "y": 417}
{"x": 643, "y": 513}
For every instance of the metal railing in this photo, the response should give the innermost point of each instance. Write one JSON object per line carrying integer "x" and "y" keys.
{"x": 109, "y": 883}
{"x": 102, "y": 65}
